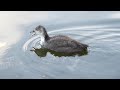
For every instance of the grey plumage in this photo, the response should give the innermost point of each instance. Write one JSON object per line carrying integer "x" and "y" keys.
{"x": 61, "y": 43}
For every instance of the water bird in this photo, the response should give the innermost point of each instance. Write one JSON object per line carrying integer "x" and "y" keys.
{"x": 58, "y": 43}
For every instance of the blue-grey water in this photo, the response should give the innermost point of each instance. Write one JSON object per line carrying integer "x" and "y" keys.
{"x": 99, "y": 29}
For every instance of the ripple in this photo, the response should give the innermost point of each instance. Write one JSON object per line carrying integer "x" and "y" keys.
{"x": 92, "y": 35}
{"x": 101, "y": 41}
{"x": 25, "y": 46}
{"x": 87, "y": 34}
{"x": 102, "y": 37}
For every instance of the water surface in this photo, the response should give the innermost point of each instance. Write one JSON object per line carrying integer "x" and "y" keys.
{"x": 99, "y": 29}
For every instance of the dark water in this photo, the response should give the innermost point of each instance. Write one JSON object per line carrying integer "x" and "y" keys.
{"x": 100, "y": 30}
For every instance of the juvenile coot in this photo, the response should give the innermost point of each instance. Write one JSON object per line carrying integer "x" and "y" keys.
{"x": 59, "y": 43}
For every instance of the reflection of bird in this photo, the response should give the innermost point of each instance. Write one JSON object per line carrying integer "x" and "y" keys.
{"x": 59, "y": 43}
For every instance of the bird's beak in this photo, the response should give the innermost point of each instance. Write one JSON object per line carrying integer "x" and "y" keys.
{"x": 33, "y": 32}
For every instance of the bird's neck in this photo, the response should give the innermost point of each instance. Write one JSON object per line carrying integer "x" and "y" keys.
{"x": 44, "y": 38}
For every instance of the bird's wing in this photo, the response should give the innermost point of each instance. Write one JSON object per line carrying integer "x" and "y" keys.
{"x": 62, "y": 41}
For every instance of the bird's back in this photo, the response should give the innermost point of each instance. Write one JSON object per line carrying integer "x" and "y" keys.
{"x": 62, "y": 43}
